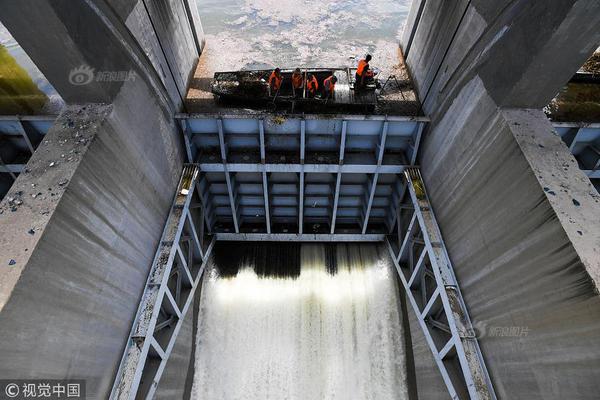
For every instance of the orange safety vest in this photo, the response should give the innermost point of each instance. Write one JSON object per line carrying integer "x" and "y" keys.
{"x": 362, "y": 64}
{"x": 297, "y": 80}
{"x": 312, "y": 85}
{"x": 329, "y": 84}
{"x": 277, "y": 79}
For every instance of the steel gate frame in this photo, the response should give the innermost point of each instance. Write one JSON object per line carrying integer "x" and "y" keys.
{"x": 144, "y": 358}
{"x": 443, "y": 308}
{"x": 179, "y": 260}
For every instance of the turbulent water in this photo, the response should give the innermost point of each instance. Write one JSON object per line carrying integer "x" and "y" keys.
{"x": 320, "y": 334}
{"x": 286, "y": 33}
{"x": 291, "y": 33}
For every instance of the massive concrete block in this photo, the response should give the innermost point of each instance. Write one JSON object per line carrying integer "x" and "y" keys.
{"x": 522, "y": 225}
{"x": 523, "y": 51}
{"x": 68, "y": 300}
{"x": 96, "y": 194}
{"x": 520, "y": 220}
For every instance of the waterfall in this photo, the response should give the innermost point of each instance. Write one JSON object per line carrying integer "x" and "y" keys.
{"x": 330, "y": 331}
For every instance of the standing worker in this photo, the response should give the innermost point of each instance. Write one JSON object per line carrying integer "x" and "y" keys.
{"x": 362, "y": 73}
{"x": 275, "y": 81}
{"x": 297, "y": 82}
{"x": 312, "y": 85}
{"x": 329, "y": 86}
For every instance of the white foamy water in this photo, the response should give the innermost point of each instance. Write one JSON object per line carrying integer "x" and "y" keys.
{"x": 315, "y": 337}
{"x": 292, "y": 33}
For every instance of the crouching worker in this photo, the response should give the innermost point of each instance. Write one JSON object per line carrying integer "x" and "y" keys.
{"x": 275, "y": 80}
{"x": 329, "y": 87}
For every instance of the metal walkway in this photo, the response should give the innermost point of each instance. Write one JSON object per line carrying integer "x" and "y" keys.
{"x": 428, "y": 278}
{"x": 175, "y": 274}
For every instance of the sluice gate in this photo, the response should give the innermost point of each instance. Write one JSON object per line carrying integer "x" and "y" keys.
{"x": 271, "y": 178}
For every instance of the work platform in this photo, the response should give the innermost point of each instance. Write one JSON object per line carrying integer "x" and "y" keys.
{"x": 398, "y": 97}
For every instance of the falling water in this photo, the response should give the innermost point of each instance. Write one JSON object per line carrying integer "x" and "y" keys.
{"x": 331, "y": 330}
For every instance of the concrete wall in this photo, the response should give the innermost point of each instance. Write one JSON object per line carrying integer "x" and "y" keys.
{"x": 168, "y": 38}
{"x": 81, "y": 226}
{"x": 156, "y": 38}
{"x": 520, "y": 220}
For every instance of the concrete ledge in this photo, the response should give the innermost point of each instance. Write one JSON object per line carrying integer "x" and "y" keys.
{"x": 69, "y": 299}
{"x": 27, "y": 208}
{"x": 567, "y": 188}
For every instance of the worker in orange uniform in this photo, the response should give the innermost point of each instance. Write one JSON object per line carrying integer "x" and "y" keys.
{"x": 312, "y": 85}
{"x": 275, "y": 81}
{"x": 297, "y": 82}
{"x": 329, "y": 86}
{"x": 363, "y": 73}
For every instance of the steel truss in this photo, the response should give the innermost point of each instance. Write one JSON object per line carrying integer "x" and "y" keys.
{"x": 420, "y": 258}
{"x": 432, "y": 290}
{"x": 300, "y": 173}
{"x": 175, "y": 274}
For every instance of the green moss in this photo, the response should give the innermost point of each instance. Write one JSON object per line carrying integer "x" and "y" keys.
{"x": 18, "y": 93}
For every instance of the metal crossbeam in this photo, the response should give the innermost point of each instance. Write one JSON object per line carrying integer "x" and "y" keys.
{"x": 301, "y": 183}
{"x": 187, "y": 139}
{"x": 228, "y": 178}
{"x": 432, "y": 289}
{"x": 304, "y": 168}
{"x": 175, "y": 274}
{"x": 243, "y": 157}
{"x": 208, "y": 213}
{"x": 380, "y": 152}
{"x": 292, "y": 237}
{"x": 338, "y": 181}
{"x": 265, "y": 182}
{"x": 25, "y": 136}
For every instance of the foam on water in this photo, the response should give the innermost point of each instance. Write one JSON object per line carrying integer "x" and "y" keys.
{"x": 291, "y": 33}
{"x": 313, "y": 337}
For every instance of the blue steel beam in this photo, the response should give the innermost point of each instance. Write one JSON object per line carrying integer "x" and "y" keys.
{"x": 237, "y": 134}
{"x": 230, "y": 188}
{"x": 416, "y": 142}
{"x": 25, "y": 136}
{"x": 447, "y": 295}
{"x": 301, "y": 183}
{"x": 339, "y": 175}
{"x": 381, "y": 151}
{"x": 304, "y": 168}
{"x": 265, "y": 182}
{"x": 284, "y": 237}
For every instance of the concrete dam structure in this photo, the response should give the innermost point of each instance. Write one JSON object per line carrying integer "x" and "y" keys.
{"x": 159, "y": 243}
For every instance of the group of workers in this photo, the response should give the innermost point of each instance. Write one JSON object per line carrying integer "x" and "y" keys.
{"x": 299, "y": 80}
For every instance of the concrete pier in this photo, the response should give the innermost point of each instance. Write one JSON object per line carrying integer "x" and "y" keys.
{"x": 520, "y": 220}
{"x": 75, "y": 257}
